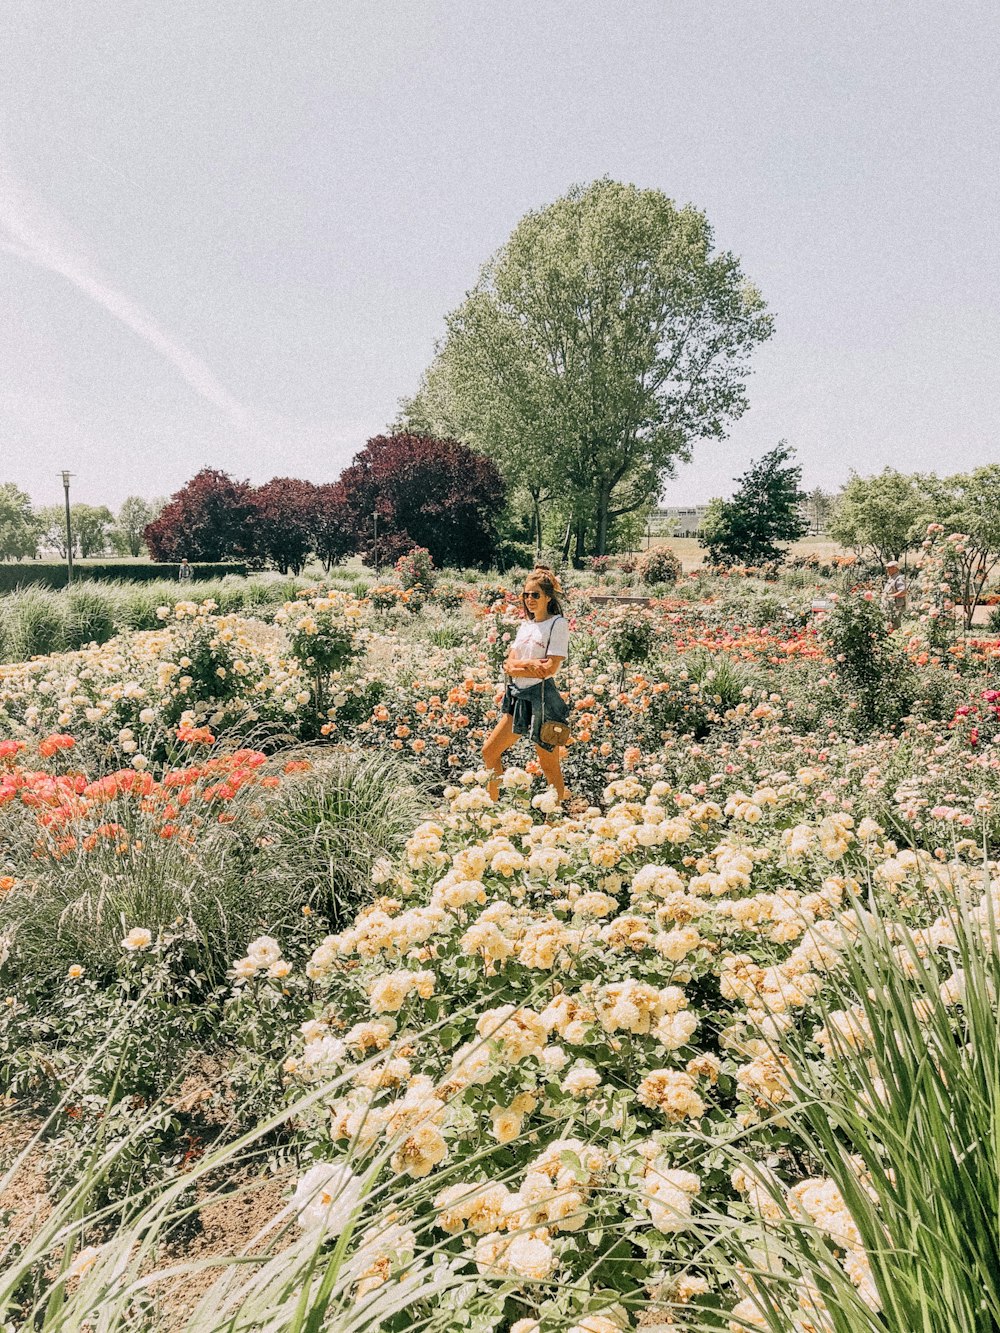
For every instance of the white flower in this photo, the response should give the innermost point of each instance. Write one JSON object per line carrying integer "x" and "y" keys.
{"x": 326, "y": 1197}
{"x": 85, "y": 1260}
{"x": 547, "y": 802}
{"x": 137, "y": 938}
{"x": 264, "y": 951}
{"x": 554, "y": 1058}
{"x": 582, "y": 1080}
{"x": 531, "y": 1257}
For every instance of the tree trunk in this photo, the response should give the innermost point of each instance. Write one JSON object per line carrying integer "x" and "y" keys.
{"x": 536, "y": 519}
{"x": 580, "y": 544}
{"x": 567, "y": 538}
{"x": 603, "y": 504}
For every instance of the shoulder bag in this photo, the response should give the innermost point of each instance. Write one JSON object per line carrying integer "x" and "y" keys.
{"x": 552, "y": 733}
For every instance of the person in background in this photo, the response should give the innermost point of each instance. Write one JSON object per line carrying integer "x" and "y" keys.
{"x": 184, "y": 572}
{"x": 535, "y": 656}
{"x": 894, "y": 595}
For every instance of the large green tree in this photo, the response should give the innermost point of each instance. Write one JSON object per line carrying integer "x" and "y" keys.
{"x": 969, "y": 503}
{"x": 20, "y": 529}
{"x": 600, "y": 343}
{"x": 133, "y": 518}
{"x": 91, "y": 526}
{"x": 882, "y": 516}
{"x": 766, "y": 510}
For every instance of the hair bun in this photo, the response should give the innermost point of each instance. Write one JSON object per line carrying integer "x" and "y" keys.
{"x": 548, "y": 573}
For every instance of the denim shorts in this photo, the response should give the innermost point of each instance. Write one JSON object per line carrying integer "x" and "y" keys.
{"x": 524, "y": 705}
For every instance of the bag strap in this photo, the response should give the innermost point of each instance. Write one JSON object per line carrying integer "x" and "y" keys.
{"x": 547, "y": 642}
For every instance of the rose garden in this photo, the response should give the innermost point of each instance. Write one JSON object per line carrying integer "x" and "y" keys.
{"x": 300, "y": 1029}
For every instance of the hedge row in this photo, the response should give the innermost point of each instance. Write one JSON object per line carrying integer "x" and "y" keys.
{"x": 52, "y": 573}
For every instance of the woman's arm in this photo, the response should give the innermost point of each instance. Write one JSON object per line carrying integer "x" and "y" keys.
{"x": 538, "y": 667}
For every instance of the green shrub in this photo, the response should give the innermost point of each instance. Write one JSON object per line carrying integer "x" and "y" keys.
{"x": 876, "y": 681}
{"x": 515, "y": 555}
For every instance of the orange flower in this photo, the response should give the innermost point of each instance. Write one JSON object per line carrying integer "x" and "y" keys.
{"x": 51, "y": 744}
{"x": 195, "y": 735}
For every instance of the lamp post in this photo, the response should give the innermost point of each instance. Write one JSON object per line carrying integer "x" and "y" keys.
{"x": 375, "y": 525}
{"x": 69, "y": 530}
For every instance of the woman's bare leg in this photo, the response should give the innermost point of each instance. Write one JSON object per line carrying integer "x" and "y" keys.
{"x": 500, "y": 739}
{"x": 549, "y": 763}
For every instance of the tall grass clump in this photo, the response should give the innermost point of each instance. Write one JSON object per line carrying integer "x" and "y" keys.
{"x": 136, "y": 604}
{"x": 88, "y": 615}
{"x": 33, "y": 624}
{"x": 325, "y": 832}
{"x": 896, "y": 1103}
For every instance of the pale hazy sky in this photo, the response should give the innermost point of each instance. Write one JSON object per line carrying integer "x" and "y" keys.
{"x": 230, "y": 229}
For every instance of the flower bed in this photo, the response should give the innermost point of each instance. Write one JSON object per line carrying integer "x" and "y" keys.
{"x": 541, "y": 1074}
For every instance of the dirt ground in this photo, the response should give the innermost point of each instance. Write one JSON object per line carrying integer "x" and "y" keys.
{"x": 24, "y": 1199}
{"x": 234, "y": 1212}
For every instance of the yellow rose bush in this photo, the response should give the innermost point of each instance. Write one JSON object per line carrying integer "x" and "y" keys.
{"x": 568, "y": 1022}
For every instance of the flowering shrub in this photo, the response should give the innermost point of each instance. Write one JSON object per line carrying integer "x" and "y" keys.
{"x": 621, "y": 974}
{"x": 416, "y": 569}
{"x": 632, "y": 640}
{"x": 873, "y": 673}
{"x": 939, "y": 582}
{"x": 660, "y": 565}
{"x": 599, "y": 564}
{"x": 449, "y": 596}
{"x": 323, "y": 637}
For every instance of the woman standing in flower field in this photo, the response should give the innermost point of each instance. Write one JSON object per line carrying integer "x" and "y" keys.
{"x": 531, "y": 697}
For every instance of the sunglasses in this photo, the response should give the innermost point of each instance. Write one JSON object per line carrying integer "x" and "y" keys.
{"x": 532, "y": 595}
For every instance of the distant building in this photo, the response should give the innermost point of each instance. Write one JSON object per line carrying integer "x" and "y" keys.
{"x": 675, "y": 521}
{"x": 680, "y": 522}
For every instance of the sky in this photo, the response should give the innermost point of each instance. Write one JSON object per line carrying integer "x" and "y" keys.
{"x": 230, "y": 230}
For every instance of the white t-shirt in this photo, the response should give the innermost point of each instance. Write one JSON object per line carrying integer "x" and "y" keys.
{"x": 531, "y": 639}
